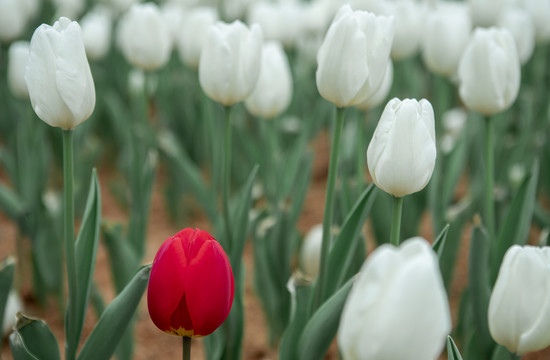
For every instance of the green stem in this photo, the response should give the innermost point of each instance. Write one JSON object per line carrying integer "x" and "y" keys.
{"x": 329, "y": 207}
{"x": 489, "y": 178}
{"x": 186, "y": 346}
{"x": 396, "y": 220}
{"x": 361, "y": 151}
{"x": 69, "y": 236}
{"x": 227, "y": 176}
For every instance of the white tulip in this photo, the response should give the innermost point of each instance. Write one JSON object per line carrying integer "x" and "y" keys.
{"x": 485, "y": 13}
{"x": 13, "y": 20}
{"x": 194, "y": 27}
{"x": 69, "y": 8}
{"x": 519, "y": 308}
{"x": 447, "y": 30}
{"x": 18, "y": 55}
{"x": 489, "y": 71}
{"x": 13, "y": 306}
{"x": 382, "y": 93}
{"x": 144, "y": 37}
{"x": 173, "y": 14}
{"x": 230, "y": 61}
{"x": 310, "y": 253}
{"x": 540, "y": 12}
{"x": 453, "y": 121}
{"x": 353, "y": 58}
{"x": 58, "y": 76}
{"x": 520, "y": 24}
{"x": 282, "y": 22}
{"x": 397, "y": 307}
{"x": 273, "y": 90}
{"x": 96, "y": 32}
{"x": 401, "y": 155}
{"x": 409, "y": 18}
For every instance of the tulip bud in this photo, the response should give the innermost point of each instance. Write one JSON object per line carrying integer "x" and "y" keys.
{"x": 485, "y": 13}
{"x": 397, "y": 307}
{"x": 520, "y": 24}
{"x": 280, "y": 21}
{"x": 401, "y": 154}
{"x": 409, "y": 18}
{"x": 144, "y": 37}
{"x": 273, "y": 91}
{"x": 96, "y": 32}
{"x": 489, "y": 71}
{"x": 194, "y": 27}
{"x": 13, "y": 19}
{"x": 191, "y": 285}
{"x": 453, "y": 121}
{"x": 382, "y": 93}
{"x": 69, "y": 8}
{"x": 230, "y": 61}
{"x": 310, "y": 253}
{"x": 519, "y": 308}
{"x": 540, "y": 13}
{"x": 58, "y": 76}
{"x": 13, "y": 306}
{"x": 447, "y": 30}
{"x": 354, "y": 56}
{"x": 18, "y": 55}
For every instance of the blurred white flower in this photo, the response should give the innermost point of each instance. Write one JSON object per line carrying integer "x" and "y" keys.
{"x": 453, "y": 121}
{"x": 382, "y": 93}
{"x": 194, "y": 26}
{"x": 144, "y": 37}
{"x": 13, "y": 306}
{"x": 13, "y": 20}
{"x": 18, "y": 55}
{"x": 519, "y": 308}
{"x": 310, "y": 253}
{"x": 280, "y": 21}
{"x": 120, "y": 6}
{"x": 401, "y": 155}
{"x": 485, "y": 13}
{"x": 69, "y": 8}
{"x": 397, "y": 307}
{"x": 174, "y": 16}
{"x": 447, "y": 30}
{"x": 354, "y": 56}
{"x": 58, "y": 76}
{"x": 540, "y": 12}
{"x": 409, "y": 21}
{"x": 489, "y": 71}
{"x": 273, "y": 90}
{"x": 230, "y": 61}
{"x": 520, "y": 24}
{"x": 96, "y": 32}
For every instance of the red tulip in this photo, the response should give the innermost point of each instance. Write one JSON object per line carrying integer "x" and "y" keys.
{"x": 191, "y": 285}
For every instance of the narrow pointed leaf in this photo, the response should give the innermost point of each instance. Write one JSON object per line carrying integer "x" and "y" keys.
{"x": 105, "y": 337}
{"x": 439, "y": 244}
{"x": 33, "y": 339}
{"x": 7, "y": 268}
{"x": 452, "y": 350}
{"x": 124, "y": 261}
{"x": 298, "y": 318}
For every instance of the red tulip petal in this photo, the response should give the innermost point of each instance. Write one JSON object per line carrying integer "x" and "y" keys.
{"x": 166, "y": 283}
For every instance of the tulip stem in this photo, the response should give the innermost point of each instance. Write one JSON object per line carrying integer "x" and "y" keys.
{"x": 70, "y": 331}
{"x": 396, "y": 220}
{"x": 329, "y": 200}
{"x": 186, "y": 346}
{"x": 489, "y": 178}
{"x": 227, "y": 177}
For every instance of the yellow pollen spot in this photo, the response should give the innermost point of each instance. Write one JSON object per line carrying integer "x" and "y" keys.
{"x": 183, "y": 332}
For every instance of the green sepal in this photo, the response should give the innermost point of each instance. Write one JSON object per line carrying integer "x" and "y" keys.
{"x": 106, "y": 335}
{"x": 33, "y": 339}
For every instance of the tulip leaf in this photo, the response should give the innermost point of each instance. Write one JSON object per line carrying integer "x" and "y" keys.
{"x": 345, "y": 245}
{"x": 10, "y": 203}
{"x": 439, "y": 244}
{"x": 321, "y": 329}
{"x": 478, "y": 277}
{"x": 110, "y": 328}
{"x": 515, "y": 229}
{"x": 33, "y": 339}
{"x": 85, "y": 252}
{"x": 298, "y": 318}
{"x": 300, "y": 188}
{"x": 123, "y": 259}
{"x": 7, "y": 268}
{"x": 501, "y": 353}
{"x": 454, "y": 166}
{"x": 452, "y": 350}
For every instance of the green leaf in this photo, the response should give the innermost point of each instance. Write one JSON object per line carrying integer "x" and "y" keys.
{"x": 323, "y": 326}
{"x": 300, "y": 295}
{"x": 10, "y": 203}
{"x": 478, "y": 277}
{"x": 33, "y": 339}
{"x": 516, "y": 225}
{"x": 7, "y": 268}
{"x": 439, "y": 244}
{"x": 454, "y": 166}
{"x": 105, "y": 337}
{"x": 85, "y": 252}
{"x": 501, "y": 353}
{"x": 340, "y": 257}
{"x": 452, "y": 350}
{"x": 123, "y": 259}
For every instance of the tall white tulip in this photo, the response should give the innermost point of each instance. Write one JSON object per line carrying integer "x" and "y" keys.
{"x": 397, "y": 307}
{"x": 230, "y": 61}
{"x": 58, "y": 76}
{"x": 96, "y": 32}
{"x": 519, "y": 308}
{"x": 489, "y": 71}
{"x": 353, "y": 58}
{"x": 144, "y": 37}
{"x": 401, "y": 155}
{"x": 520, "y": 24}
{"x": 18, "y": 55}
{"x": 447, "y": 30}
{"x": 194, "y": 27}
{"x": 273, "y": 90}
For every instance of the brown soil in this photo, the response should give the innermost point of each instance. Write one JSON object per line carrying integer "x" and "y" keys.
{"x": 151, "y": 343}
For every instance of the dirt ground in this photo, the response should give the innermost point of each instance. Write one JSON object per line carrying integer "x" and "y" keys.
{"x": 151, "y": 343}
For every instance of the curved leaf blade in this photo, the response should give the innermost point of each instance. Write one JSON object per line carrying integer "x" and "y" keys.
{"x": 33, "y": 339}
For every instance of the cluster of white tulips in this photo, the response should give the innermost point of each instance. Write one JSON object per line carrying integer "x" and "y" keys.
{"x": 439, "y": 119}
